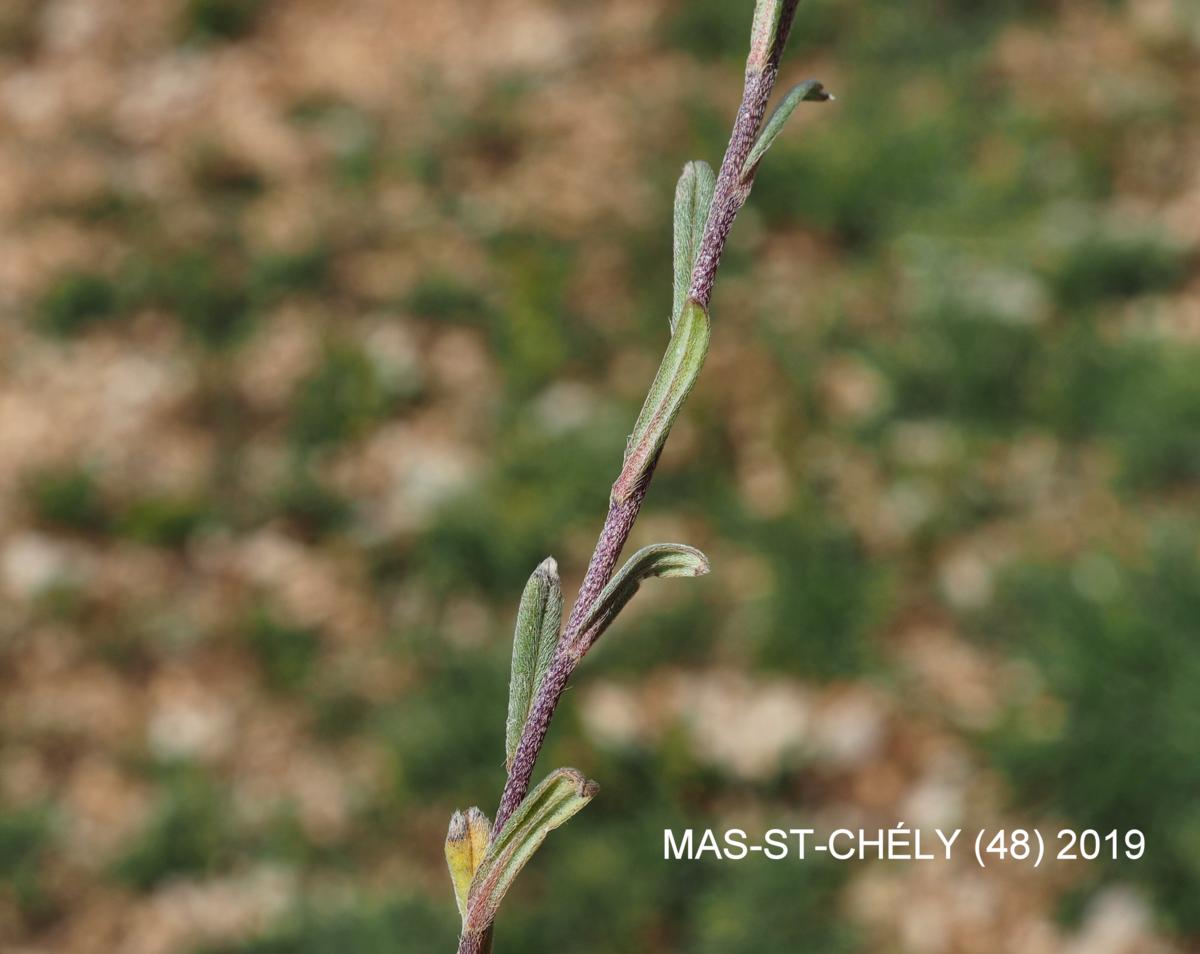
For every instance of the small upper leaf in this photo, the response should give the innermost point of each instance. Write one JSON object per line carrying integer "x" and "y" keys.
{"x": 811, "y": 91}
{"x": 672, "y": 384}
{"x": 538, "y": 620}
{"x": 563, "y": 793}
{"x": 662, "y": 560}
{"x": 764, "y": 33}
{"x": 466, "y": 845}
{"x": 693, "y": 197}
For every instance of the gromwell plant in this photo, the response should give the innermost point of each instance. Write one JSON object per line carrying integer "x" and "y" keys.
{"x": 485, "y": 858}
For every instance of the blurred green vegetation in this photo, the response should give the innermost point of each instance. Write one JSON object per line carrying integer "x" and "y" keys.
{"x": 1115, "y": 641}
{"x": 312, "y": 507}
{"x": 217, "y": 20}
{"x": 215, "y": 289}
{"x": 70, "y": 499}
{"x": 1102, "y": 267}
{"x": 75, "y": 301}
{"x": 369, "y": 928}
{"x": 194, "y": 830}
{"x": 189, "y": 832}
{"x": 959, "y": 246}
{"x": 340, "y": 399}
{"x": 827, "y": 600}
{"x": 285, "y": 652}
{"x": 491, "y": 537}
{"x": 25, "y": 839}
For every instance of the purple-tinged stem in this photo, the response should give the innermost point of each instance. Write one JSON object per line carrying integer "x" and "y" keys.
{"x": 617, "y": 526}
{"x": 732, "y": 189}
{"x": 729, "y": 196}
{"x": 475, "y": 942}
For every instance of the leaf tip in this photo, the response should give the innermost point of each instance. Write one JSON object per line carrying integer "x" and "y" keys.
{"x": 817, "y": 93}
{"x": 765, "y": 33}
{"x": 466, "y": 844}
{"x": 584, "y": 786}
{"x": 807, "y": 92}
{"x": 479, "y": 831}
{"x": 478, "y": 825}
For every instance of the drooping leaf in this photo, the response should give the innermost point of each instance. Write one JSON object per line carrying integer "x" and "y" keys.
{"x": 672, "y": 384}
{"x": 661, "y": 560}
{"x": 466, "y": 846}
{"x": 557, "y": 799}
{"x": 693, "y": 197}
{"x": 811, "y": 91}
{"x": 538, "y": 620}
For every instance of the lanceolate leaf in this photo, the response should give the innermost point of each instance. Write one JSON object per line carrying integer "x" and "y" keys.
{"x": 661, "y": 559}
{"x": 693, "y": 197}
{"x": 676, "y": 376}
{"x": 764, "y": 33}
{"x": 811, "y": 91}
{"x": 563, "y": 793}
{"x": 538, "y": 620}
{"x": 466, "y": 845}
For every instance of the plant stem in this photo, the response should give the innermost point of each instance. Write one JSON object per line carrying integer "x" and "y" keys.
{"x": 617, "y": 526}
{"x": 475, "y": 942}
{"x": 730, "y": 194}
{"x": 732, "y": 188}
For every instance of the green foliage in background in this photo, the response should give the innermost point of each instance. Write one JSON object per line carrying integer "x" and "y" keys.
{"x": 1104, "y": 267}
{"x": 187, "y": 834}
{"x": 68, "y": 499}
{"x": 828, "y": 596}
{"x": 1118, "y": 747}
{"x": 220, "y": 20}
{"x": 25, "y": 838}
{"x": 285, "y": 652}
{"x": 367, "y": 928}
{"x": 948, "y": 234}
{"x": 339, "y": 400}
{"x": 76, "y": 300}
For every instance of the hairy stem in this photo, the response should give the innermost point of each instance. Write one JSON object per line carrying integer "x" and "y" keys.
{"x": 617, "y": 526}
{"x": 732, "y": 189}
{"x": 475, "y": 942}
{"x": 730, "y": 194}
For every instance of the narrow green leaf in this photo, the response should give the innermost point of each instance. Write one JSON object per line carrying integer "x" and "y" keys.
{"x": 764, "y": 32}
{"x": 693, "y": 197}
{"x": 658, "y": 560}
{"x": 538, "y": 620}
{"x": 466, "y": 845}
{"x": 672, "y": 384}
{"x": 810, "y": 91}
{"x": 557, "y": 799}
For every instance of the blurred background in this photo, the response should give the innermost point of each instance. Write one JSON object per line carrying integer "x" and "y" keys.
{"x": 322, "y": 324}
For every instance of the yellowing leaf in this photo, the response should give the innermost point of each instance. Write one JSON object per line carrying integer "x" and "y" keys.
{"x": 466, "y": 846}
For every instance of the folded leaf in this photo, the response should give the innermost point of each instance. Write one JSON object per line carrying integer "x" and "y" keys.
{"x": 538, "y": 620}
{"x": 563, "y": 793}
{"x": 693, "y": 197}
{"x": 810, "y": 91}
{"x": 672, "y": 384}
{"x": 466, "y": 845}
{"x": 765, "y": 32}
{"x": 661, "y": 559}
